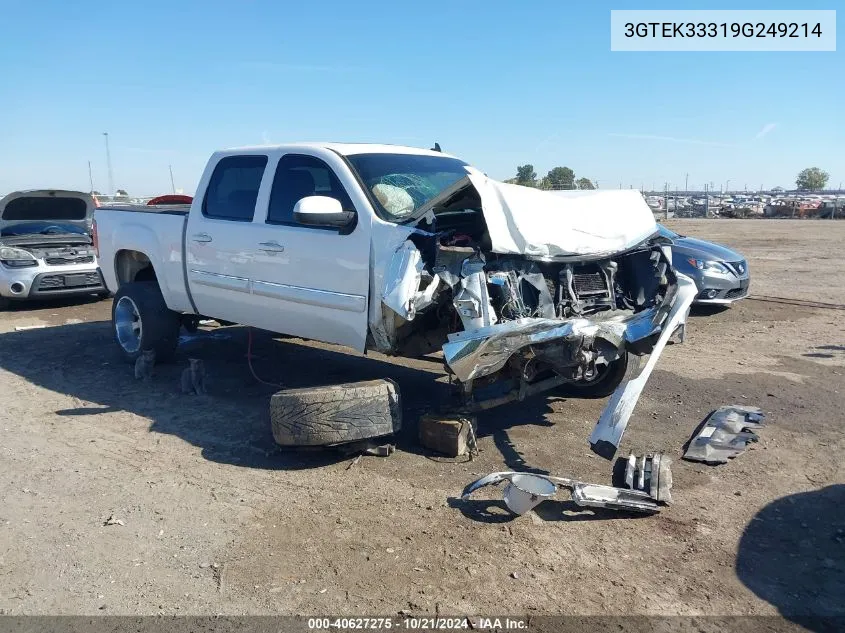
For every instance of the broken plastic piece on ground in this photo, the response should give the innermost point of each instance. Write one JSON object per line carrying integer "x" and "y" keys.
{"x": 367, "y": 447}
{"x": 524, "y": 492}
{"x": 610, "y": 498}
{"x": 650, "y": 474}
{"x": 381, "y": 451}
{"x": 725, "y": 434}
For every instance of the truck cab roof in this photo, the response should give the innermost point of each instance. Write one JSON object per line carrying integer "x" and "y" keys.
{"x": 345, "y": 149}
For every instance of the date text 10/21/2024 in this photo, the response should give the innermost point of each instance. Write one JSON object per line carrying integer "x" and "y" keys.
{"x": 418, "y": 624}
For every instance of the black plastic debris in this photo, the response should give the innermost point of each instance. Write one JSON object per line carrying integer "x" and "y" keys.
{"x": 725, "y": 434}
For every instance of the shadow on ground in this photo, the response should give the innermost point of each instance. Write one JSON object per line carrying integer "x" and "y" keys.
{"x": 55, "y": 303}
{"x": 829, "y": 351}
{"x": 231, "y": 425}
{"x": 707, "y": 309}
{"x": 791, "y": 555}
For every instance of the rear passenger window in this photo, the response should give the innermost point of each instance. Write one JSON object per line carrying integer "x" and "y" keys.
{"x": 233, "y": 188}
{"x": 297, "y": 177}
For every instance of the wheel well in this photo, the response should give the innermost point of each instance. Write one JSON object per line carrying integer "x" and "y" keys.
{"x": 133, "y": 266}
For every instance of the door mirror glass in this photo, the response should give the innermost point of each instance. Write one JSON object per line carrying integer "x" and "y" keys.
{"x": 322, "y": 211}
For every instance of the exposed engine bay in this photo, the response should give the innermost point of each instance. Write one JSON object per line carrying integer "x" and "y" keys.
{"x": 512, "y": 325}
{"x": 461, "y": 286}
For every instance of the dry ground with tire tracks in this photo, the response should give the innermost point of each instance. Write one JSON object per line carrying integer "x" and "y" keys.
{"x": 216, "y": 519}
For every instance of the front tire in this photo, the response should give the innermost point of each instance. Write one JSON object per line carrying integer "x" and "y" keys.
{"x": 602, "y": 385}
{"x": 142, "y": 321}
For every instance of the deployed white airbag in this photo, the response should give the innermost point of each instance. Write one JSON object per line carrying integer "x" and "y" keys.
{"x": 527, "y": 221}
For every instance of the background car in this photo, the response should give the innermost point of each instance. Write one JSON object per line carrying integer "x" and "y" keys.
{"x": 46, "y": 248}
{"x": 720, "y": 274}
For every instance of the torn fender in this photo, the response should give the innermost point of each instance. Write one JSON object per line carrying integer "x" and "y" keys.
{"x": 402, "y": 281}
{"x": 393, "y": 267}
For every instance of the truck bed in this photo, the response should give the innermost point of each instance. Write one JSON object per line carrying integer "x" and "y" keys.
{"x": 170, "y": 209}
{"x": 158, "y": 233}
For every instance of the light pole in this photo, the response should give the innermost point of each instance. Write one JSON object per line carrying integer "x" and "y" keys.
{"x": 108, "y": 164}
{"x": 172, "y": 186}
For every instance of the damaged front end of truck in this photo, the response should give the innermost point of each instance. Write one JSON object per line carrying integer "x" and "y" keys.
{"x": 524, "y": 291}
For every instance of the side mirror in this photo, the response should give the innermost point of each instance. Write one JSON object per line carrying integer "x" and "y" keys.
{"x": 322, "y": 211}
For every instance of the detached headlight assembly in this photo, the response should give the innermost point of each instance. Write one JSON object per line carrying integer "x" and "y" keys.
{"x": 713, "y": 267}
{"x": 16, "y": 257}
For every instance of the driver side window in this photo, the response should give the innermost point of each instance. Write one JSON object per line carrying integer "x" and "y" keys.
{"x": 299, "y": 176}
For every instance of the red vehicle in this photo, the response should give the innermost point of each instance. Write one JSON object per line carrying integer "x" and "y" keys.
{"x": 170, "y": 198}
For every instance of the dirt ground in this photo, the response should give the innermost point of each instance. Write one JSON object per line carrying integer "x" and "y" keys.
{"x": 217, "y": 520}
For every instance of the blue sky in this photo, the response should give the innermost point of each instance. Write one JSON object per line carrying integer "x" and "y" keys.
{"x": 496, "y": 83}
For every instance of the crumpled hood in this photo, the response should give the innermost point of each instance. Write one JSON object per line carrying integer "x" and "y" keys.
{"x": 527, "y": 221}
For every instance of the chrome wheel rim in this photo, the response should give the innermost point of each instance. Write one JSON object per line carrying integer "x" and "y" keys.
{"x": 127, "y": 325}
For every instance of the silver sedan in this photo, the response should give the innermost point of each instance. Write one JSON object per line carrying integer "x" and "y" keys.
{"x": 720, "y": 274}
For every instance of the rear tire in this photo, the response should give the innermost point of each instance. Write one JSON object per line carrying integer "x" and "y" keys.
{"x": 604, "y": 384}
{"x": 335, "y": 414}
{"x": 142, "y": 321}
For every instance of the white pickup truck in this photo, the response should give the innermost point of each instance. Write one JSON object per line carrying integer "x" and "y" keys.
{"x": 408, "y": 252}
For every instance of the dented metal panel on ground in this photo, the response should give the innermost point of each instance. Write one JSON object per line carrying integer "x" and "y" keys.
{"x": 726, "y": 433}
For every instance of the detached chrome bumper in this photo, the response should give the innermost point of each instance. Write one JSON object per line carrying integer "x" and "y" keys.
{"x": 614, "y": 419}
{"x": 484, "y": 351}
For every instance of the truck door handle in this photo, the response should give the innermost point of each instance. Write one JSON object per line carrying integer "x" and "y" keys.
{"x": 201, "y": 237}
{"x": 272, "y": 247}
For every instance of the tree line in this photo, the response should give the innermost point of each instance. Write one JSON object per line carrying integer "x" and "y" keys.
{"x": 557, "y": 178}
{"x": 810, "y": 179}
